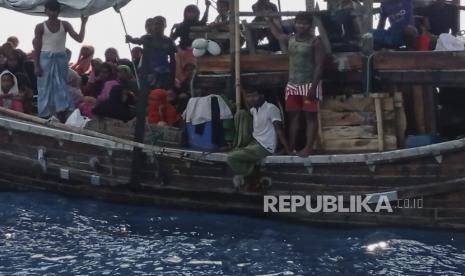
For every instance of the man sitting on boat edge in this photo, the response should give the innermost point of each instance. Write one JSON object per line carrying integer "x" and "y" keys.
{"x": 267, "y": 129}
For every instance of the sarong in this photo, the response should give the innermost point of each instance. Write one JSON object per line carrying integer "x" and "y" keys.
{"x": 53, "y": 95}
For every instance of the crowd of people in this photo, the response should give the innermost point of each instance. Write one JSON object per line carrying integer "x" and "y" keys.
{"x": 111, "y": 87}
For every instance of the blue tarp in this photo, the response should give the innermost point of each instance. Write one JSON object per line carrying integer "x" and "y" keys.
{"x": 70, "y": 8}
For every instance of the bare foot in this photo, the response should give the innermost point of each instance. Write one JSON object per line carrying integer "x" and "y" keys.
{"x": 305, "y": 152}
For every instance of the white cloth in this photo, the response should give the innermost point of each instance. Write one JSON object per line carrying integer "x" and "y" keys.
{"x": 448, "y": 42}
{"x": 77, "y": 120}
{"x": 263, "y": 128}
{"x": 54, "y": 42}
{"x": 69, "y": 8}
{"x": 199, "y": 111}
{"x": 14, "y": 91}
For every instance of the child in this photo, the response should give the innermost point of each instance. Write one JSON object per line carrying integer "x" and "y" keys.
{"x": 191, "y": 19}
{"x": 159, "y": 64}
{"x": 265, "y": 6}
{"x": 51, "y": 64}
{"x": 9, "y": 95}
{"x": 182, "y": 31}
{"x": 267, "y": 127}
{"x": 221, "y": 23}
{"x": 112, "y": 56}
{"x": 402, "y": 31}
{"x": 303, "y": 91}
{"x": 136, "y": 56}
{"x": 222, "y": 20}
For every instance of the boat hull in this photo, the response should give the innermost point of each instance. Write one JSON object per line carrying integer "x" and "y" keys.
{"x": 34, "y": 156}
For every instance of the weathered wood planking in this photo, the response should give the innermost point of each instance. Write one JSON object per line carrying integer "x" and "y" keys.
{"x": 358, "y": 145}
{"x": 383, "y": 61}
{"x": 353, "y": 118}
{"x": 353, "y": 132}
{"x": 201, "y": 184}
{"x": 355, "y": 103}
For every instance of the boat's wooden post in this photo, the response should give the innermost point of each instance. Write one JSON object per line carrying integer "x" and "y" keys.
{"x": 310, "y": 5}
{"x": 429, "y": 97}
{"x": 458, "y": 22}
{"x": 139, "y": 133}
{"x": 379, "y": 120}
{"x": 401, "y": 120}
{"x": 237, "y": 54}
{"x": 419, "y": 109}
{"x": 321, "y": 137}
{"x": 367, "y": 46}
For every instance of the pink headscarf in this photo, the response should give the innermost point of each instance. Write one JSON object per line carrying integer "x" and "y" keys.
{"x": 107, "y": 87}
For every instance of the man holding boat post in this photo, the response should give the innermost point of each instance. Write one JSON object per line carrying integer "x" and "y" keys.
{"x": 51, "y": 62}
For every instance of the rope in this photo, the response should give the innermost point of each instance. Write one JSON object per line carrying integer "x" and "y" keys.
{"x": 369, "y": 61}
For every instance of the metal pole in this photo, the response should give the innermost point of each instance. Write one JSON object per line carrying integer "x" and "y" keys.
{"x": 129, "y": 45}
{"x": 279, "y": 5}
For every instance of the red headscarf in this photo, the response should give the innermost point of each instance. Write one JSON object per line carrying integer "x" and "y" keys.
{"x": 84, "y": 64}
{"x": 158, "y": 98}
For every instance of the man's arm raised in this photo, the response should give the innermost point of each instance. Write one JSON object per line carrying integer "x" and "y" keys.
{"x": 70, "y": 30}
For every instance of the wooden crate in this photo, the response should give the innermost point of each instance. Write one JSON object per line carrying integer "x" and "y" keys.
{"x": 358, "y": 123}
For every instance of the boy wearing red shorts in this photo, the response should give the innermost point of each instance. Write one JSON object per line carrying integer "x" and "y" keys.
{"x": 303, "y": 91}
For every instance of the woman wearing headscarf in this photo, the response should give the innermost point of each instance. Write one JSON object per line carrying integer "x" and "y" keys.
{"x": 126, "y": 79}
{"x": 100, "y": 89}
{"x": 160, "y": 111}
{"x": 84, "y": 64}
{"x": 9, "y": 93}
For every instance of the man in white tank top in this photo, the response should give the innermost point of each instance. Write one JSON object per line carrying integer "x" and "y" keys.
{"x": 51, "y": 66}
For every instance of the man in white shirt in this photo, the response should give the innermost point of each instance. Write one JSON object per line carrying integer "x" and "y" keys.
{"x": 267, "y": 128}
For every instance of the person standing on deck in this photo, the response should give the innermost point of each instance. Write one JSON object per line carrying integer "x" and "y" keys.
{"x": 159, "y": 63}
{"x": 51, "y": 62}
{"x": 303, "y": 92}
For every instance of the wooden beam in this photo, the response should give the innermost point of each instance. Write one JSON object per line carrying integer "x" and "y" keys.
{"x": 345, "y": 62}
{"x": 419, "y": 60}
{"x": 401, "y": 120}
{"x": 367, "y": 46}
{"x": 310, "y": 5}
{"x": 232, "y": 51}
{"x": 379, "y": 124}
{"x": 266, "y": 14}
{"x": 237, "y": 54}
{"x": 419, "y": 109}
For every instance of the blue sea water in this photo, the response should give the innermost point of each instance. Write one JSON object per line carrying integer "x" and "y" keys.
{"x": 45, "y": 234}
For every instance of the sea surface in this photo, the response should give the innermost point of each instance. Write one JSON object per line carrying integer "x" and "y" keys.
{"x": 45, "y": 234}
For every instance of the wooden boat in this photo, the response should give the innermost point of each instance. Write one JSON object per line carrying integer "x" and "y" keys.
{"x": 40, "y": 155}
{"x": 44, "y": 156}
